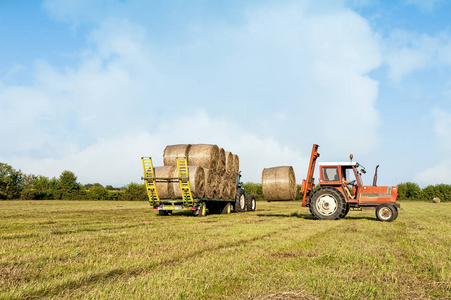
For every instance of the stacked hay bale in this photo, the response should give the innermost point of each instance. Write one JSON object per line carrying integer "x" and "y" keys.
{"x": 217, "y": 185}
{"x": 171, "y": 153}
{"x": 221, "y": 166}
{"x": 212, "y": 171}
{"x": 196, "y": 179}
{"x": 279, "y": 183}
{"x": 229, "y": 161}
{"x": 165, "y": 188}
{"x": 210, "y": 183}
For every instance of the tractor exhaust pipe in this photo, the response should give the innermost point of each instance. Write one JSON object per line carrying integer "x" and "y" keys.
{"x": 375, "y": 177}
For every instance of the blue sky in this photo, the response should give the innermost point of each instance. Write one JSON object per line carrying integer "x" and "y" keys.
{"x": 91, "y": 86}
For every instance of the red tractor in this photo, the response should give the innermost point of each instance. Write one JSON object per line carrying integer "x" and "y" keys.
{"x": 341, "y": 189}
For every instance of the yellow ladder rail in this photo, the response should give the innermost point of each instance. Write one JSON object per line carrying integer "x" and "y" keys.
{"x": 182, "y": 167}
{"x": 149, "y": 179}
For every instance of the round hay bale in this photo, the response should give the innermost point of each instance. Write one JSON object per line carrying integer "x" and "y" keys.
{"x": 232, "y": 189}
{"x": 164, "y": 188}
{"x": 229, "y": 161}
{"x": 223, "y": 188}
{"x": 216, "y": 182}
{"x": 171, "y": 152}
{"x": 436, "y": 200}
{"x": 221, "y": 164}
{"x": 203, "y": 155}
{"x": 236, "y": 164}
{"x": 210, "y": 183}
{"x": 196, "y": 181}
{"x": 228, "y": 186}
{"x": 279, "y": 183}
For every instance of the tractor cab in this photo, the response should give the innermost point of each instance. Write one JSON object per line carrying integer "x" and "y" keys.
{"x": 342, "y": 174}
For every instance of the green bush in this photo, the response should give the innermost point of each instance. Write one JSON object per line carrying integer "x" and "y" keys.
{"x": 135, "y": 192}
{"x": 254, "y": 189}
{"x": 97, "y": 192}
{"x": 442, "y": 191}
{"x": 409, "y": 191}
{"x": 11, "y": 182}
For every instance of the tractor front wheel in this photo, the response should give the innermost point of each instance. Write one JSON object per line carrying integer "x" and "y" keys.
{"x": 251, "y": 203}
{"x": 328, "y": 203}
{"x": 386, "y": 213}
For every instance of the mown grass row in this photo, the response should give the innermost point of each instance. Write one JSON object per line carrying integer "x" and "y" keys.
{"x": 77, "y": 249}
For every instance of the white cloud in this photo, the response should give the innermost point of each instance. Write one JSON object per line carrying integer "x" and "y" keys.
{"x": 408, "y": 52}
{"x": 266, "y": 90}
{"x": 117, "y": 160}
{"x": 441, "y": 171}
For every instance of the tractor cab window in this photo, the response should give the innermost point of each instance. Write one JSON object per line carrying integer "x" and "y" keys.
{"x": 330, "y": 174}
{"x": 349, "y": 175}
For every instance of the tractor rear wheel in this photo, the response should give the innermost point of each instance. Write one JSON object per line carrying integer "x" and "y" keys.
{"x": 251, "y": 203}
{"x": 386, "y": 213}
{"x": 240, "y": 201}
{"x": 327, "y": 203}
{"x": 346, "y": 211}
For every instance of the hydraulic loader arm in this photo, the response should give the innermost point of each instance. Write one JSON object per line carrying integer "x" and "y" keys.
{"x": 309, "y": 183}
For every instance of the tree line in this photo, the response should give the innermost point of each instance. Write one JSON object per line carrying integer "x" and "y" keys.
{"x": 16, "y": 185}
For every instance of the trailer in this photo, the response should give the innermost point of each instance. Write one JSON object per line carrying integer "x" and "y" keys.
{"x": 199, "y": 206}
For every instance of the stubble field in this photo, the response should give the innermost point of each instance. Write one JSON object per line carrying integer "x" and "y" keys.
{"x": 124, "y": 250}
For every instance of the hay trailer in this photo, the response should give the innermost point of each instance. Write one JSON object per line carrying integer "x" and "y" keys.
{"x": 187, "y": 202}
{"x": 341, "y": 189}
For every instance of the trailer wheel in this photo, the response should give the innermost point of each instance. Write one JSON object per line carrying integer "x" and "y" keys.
{"x": 240, "y": 201}
{"x": 165, "y": 212}
{"x": 386, "y": 213}
{"x": 201, "y": 211}
{"x": 251, "y": 203}
{"x": 227, "y": 209}
{"x": 327, "y": 203}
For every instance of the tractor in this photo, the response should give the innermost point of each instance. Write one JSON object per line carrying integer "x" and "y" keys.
{"x": 341, "y": 189}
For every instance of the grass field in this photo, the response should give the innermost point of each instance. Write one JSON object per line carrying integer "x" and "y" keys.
{"x": 124, "y": 250}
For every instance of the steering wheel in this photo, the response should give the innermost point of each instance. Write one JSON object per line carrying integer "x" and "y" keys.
{"x": 351, "y": 182}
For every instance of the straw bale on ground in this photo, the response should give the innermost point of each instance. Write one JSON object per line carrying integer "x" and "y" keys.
{"x": 436, "y": 200}
{"x": 279, "y": 183}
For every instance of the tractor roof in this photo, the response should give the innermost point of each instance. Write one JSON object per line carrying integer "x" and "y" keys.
{"x": 348, "y": 164}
